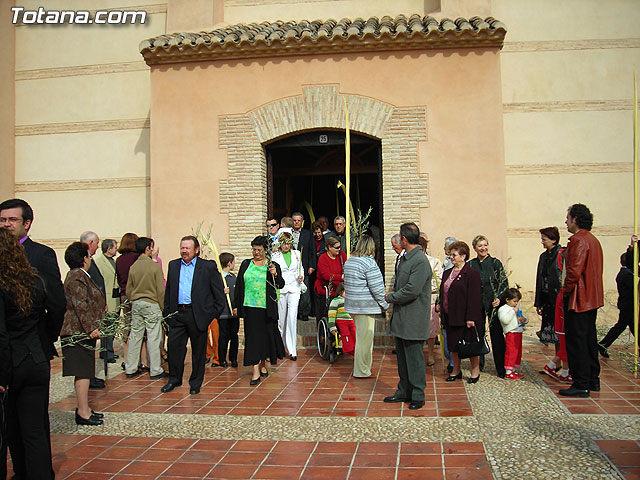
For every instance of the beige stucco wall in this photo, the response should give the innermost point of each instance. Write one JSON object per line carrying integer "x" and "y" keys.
{"x": 82, "y": 103}
{"x": 463, "y": 128}
{"x": 7, "y": 105}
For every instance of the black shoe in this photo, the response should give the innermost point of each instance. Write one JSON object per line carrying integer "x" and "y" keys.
{"x": 123, "y": 365}
{"x": 224, "y": 364}
{"x": 214, "y": 365}
{"x": 96, "y": 383}
{"x": 395, "y": 399}
{"x": 254, "y": 381}
{"x": 234, "y": 364}
{"x": 111, "y": 360}
{"x": 293, "y": 357}
{"x": 416, "y": 404}
{"x": 169, "y": 386}
{"x": 96, "y": 414}
{"x": 594, "y": 387}
{"x": 473, "y": 379}
{"x": 207, "y": 360}
{"x": 194, "y": 391}
{"x": 574, "y": 392}
{"x": 88, "y": 421}
{"x": 603, "y": 350}
{"x": 449, "y": 368}
{"x": 134, "y": 374}
{"x": 453, "y": 378}
{"x": 115, "y": 356}
{"x": 265, "y": 373}
{"x": 159, "y": 376}
{"x": 144, "y": 368}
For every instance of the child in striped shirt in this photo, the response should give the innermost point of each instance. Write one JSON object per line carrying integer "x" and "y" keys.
{"x": 345, "y": 324}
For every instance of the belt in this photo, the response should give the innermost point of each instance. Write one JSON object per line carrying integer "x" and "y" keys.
{"x": 184, "y": 306}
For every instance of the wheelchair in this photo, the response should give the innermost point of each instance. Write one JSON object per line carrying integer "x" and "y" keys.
{"x": 329, "y": 344}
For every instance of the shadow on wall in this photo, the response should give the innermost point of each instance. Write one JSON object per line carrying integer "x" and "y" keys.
{"x": 143, "y": 146}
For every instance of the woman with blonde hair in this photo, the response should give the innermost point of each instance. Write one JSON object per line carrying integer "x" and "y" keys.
{"x": 290, "y": 262}
{"x": 364, "y": 298}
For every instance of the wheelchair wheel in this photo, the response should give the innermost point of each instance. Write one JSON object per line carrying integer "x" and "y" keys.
{"x": 323, "y": 339}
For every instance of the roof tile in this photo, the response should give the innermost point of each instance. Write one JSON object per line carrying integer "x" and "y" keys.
{"x": 279, "y": 38}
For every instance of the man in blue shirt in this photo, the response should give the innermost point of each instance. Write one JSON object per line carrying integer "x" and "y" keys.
{"x": 194, "y": 296}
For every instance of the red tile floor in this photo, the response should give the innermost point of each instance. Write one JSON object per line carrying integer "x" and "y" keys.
{"x": 106, "y": 457}
{"x": 309, "y": 387}
{"x": 619, "y": 390}
{"x": 312, "y": 387}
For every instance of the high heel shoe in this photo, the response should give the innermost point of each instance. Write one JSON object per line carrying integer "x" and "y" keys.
{"x": 265, "y": 373}
{"x": 453, "y": 378}
{"x": 473, "y": 379}
{"x": 87, "y": 421}
{"x": 254, "y": 381}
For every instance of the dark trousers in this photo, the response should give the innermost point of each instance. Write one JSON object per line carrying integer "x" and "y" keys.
{"x": 498, "y": 346}
{"x": 28, "y": 421}
{"x": 582, "y": 348}
{"x": 321, "y": 306}
{"x": 623, "y": 322}
{"x": 183, "y": 328}
{"x": 228, "y": 338}
{"x": 411, "y": 369}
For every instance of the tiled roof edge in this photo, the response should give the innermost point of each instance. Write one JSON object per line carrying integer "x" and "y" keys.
{"x": 272, "y": 39}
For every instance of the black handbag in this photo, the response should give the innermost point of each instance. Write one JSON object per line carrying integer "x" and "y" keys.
{"x": 474, "y": 348}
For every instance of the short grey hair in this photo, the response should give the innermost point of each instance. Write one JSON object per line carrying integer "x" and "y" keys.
{"x": 396, "y": 239}
{"x": 107, "y": 243}
{"x": 88, "y": 236}
{"x": 340, "y": 217}
{"x": 449, "y": 241}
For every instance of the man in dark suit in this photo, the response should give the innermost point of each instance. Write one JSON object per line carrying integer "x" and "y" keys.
{"x": 194, "y": 296}
{"x": 16, "y": 216}
{"x": 303, "y": 242}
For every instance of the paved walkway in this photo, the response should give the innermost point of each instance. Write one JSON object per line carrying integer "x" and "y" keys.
{"x": 312, "y": 420}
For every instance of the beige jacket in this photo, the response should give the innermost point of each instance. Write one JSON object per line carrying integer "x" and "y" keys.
{"x": 108, "y": 271}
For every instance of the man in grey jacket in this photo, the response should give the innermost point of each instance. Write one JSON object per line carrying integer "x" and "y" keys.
{"x": 411, "y": 298}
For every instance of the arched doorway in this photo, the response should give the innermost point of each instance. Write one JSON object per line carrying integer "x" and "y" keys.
{"x": 307, "y": 167}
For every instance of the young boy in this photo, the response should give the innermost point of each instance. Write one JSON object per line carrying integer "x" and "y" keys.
{"x": 229, "y": 324}
{"x": 512, "y": 323}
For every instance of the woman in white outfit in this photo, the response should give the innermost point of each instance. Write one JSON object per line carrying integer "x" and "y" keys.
{"x": 292, "y": 273}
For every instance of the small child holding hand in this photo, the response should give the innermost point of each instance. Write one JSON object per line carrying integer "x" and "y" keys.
{"x": 513, "y": 324}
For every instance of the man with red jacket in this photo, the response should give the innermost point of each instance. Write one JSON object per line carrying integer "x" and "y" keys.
{"x": 583, "y": 295}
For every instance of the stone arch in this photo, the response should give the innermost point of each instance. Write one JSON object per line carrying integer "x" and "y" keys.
{"x": 243, "y": 194}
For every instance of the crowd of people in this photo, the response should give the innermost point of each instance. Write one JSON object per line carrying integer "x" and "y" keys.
{"x": 293, "y": 274}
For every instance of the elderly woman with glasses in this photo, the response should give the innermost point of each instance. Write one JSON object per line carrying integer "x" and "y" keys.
{"x": 330, "y": 274}
{"x": 461, "y": 307}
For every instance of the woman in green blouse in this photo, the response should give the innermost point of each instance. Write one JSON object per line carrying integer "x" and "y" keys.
{"x": 255, "y": 296}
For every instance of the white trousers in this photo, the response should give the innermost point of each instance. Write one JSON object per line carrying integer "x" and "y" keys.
{"x": 288, "y": 320}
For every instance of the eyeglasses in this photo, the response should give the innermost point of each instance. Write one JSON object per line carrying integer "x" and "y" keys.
{"x": 271, "y": 225}
{"x": 10, "y": 220}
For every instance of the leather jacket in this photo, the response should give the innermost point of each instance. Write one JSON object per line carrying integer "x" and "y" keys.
{"x": 583, "y": 289}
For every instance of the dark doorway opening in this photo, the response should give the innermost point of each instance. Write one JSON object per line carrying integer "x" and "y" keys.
{"x": 307, "y": 168}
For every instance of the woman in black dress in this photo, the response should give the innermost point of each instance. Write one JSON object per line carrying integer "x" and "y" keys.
{"x": 255, "y": 297}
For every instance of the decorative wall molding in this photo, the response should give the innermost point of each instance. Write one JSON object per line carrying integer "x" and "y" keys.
{"x": 90, "y": 184}
{"x": 562, "y": 45}
{"x": 63, "y": 243}
{"x": 598, "y": 231}
{"x": 82, "y": 127}
{"x": 569, "y": 168}
{"x": 244, "y": 193}
{"x": 568, "y": 106}
{"x": 79, "y": 70}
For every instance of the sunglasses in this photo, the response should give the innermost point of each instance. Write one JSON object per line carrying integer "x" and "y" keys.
{"x": 271, "y": 225}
